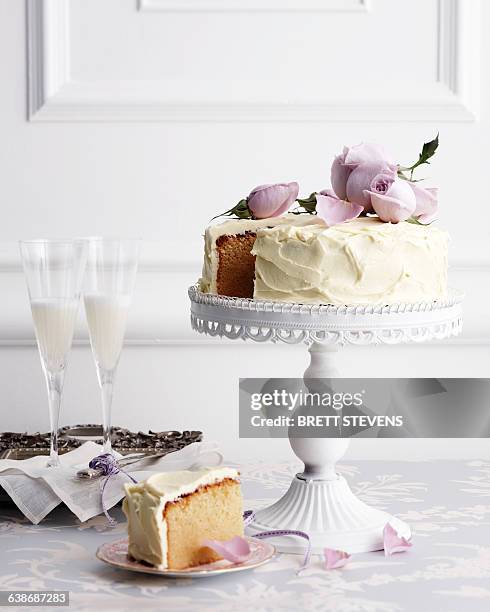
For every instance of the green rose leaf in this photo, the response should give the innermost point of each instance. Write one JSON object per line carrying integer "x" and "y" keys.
{"x": 307, "y": 204}
{"x": 428, "y": 150}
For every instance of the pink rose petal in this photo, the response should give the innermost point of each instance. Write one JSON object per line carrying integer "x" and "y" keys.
{"x": 329, "y": 192}
{"x": 236, "y": 550}
{"x": 293, "y": 188}
{"x": 334, "y": 211}
{"x": 426, "y": 197}
{"x": 366, "y": 152}
{"x": 393, "y": 543}
{"x": 335, "y": 559}
{"x": 339, "y": 174}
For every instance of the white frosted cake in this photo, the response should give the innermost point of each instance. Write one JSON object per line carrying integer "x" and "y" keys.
{"x": 358, "y": 262}
{"x": 300, "y": 259}
{"x": 367, "y": 240}
{"x": 172, "y": 513}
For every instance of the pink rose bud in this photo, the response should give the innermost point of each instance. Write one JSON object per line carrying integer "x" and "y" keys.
{"x": 392, "y": 199}
{"x": 272, "y": 200}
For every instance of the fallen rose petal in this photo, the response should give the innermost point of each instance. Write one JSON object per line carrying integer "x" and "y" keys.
{"x": 235, "y": 550}
{"x": 335, "y": 559}
{"x": 334, "y": 211}
{"x": 393, "y": 543}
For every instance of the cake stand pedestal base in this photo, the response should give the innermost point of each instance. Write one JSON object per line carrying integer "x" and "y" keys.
{"x": 319, "y": 501}
{"x": 332, "y": 516}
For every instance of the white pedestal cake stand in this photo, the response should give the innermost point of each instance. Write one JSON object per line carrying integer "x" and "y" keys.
{"x": 319, "y": 501}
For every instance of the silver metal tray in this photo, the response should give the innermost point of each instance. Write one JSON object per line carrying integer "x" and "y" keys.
{"x": 23, "y": 446}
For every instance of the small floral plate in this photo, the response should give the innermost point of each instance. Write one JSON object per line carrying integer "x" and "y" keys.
{"x": 116, "y": 554}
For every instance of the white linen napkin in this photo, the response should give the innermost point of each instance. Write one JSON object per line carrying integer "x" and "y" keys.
{"x": 36, "y": 489}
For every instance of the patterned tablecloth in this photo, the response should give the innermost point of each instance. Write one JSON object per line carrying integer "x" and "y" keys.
{"x": 447, "y": 503}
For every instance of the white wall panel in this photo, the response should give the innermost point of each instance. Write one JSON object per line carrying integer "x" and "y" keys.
{"x": 254, "y": 5}
{"x": 112, "y": 126}
{"x": 380, "y": 84}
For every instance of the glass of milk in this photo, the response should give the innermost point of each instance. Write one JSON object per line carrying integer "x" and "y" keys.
{"x": 109, "y": 282}
{"x": 54, "y": 272}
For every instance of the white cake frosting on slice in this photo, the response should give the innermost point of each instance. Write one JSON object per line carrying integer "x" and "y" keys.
{"x": 361, "y": 261}
{"x": 236, "y": 227}
{"x": 145, "y": 503}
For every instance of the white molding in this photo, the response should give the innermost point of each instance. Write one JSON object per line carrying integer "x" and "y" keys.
{"x": 458, "y": 65}
{"x": 48, "y": 51}
{"x": 53, "y": 96}
{"x": 152, "y": 260}
{"x": 254, "y": 5}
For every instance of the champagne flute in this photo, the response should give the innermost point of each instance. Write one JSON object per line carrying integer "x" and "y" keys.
{"x": 54, "y": 273}
{"x": 110, "y": 277}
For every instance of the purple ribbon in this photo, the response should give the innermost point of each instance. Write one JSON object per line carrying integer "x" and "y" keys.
{"x": 107, "y": 464}
{"x": 249, "y": 516}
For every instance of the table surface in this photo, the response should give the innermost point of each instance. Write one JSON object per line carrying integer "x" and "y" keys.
{"x": 447, "y": 504}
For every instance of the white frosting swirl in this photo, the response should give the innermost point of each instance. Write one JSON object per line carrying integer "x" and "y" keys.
{"x": 362, "y": 261}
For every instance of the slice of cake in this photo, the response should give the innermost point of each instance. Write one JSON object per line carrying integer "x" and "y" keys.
{"x": 229, "y": 265}
{"x": 171, "y": 514}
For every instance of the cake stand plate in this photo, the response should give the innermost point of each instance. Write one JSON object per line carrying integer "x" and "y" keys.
{"x": 319, "y": 501}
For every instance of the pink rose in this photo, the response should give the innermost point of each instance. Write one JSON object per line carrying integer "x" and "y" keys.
{"x": 360, "y": 180}
{"x": 392, "y": 198}
{"x": 272, "y": 200}
{"x": 355, "y": 168}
